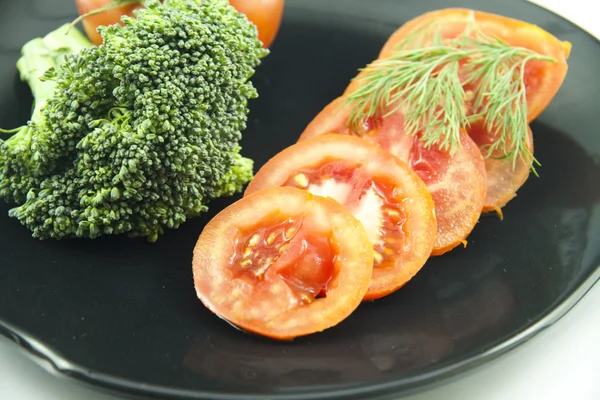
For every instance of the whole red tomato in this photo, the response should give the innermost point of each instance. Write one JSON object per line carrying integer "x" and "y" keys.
{"x": 110, "y": 17}
{"x": 265, "y": 14}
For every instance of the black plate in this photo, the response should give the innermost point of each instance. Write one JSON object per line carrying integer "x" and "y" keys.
{"x": 123, "y": 313}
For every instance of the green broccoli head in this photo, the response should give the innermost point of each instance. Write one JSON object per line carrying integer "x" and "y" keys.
{"x": 143, "y": 131}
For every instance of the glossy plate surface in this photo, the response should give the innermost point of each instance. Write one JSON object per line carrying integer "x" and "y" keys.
{"x": 123, "y": 313}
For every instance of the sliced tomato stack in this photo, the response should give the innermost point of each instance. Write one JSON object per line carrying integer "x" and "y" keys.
{"x": 325, "y": 224}
{"x": 382, "y": 192}
{"x": 457, "y": 182}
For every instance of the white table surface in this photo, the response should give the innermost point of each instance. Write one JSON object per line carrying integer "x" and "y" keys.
{"x": 563, "y": 362}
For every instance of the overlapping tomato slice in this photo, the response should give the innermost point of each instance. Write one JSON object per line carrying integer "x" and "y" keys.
{"x": 457, "y": 182}
{"x": 542, "y": 81}
{"x": 381, "y": 191}
{"x": 283, "y": 263}
{"x": 503, "y": 177}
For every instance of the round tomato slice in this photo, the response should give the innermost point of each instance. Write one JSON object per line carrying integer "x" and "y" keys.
{"x": 542, "y": 79}
{"x": 457, "y": 182}
{"x": 283, "y": 263}
{"x": 503, "y": 178}
{"x": 381, "y": 191}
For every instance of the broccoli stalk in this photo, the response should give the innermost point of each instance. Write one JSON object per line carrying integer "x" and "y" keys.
{"x": 42, "y": 54}
{"x": 140, "y": 133}
{"x": 37, "y": 56}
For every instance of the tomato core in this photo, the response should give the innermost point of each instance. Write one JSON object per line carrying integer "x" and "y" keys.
{"x": 376, "y": 203}
{"x": 284, "y": 251}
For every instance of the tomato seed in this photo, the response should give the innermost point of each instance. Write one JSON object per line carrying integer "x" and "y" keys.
{"x": 306, "y": 299}
{"x": 271, "y": 238}
{"x": 254, "y": 240}
{"x": 260, "y": 271}
{"x": 290, "y": 232}
{"x": 301, "y": 180}
{"x": 377, "y": 257}
{"x": 390, "y": 212}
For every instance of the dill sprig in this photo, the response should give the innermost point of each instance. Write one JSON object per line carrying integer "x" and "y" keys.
{"x": 427, "y": 83}
{"x": 501, "y": 99}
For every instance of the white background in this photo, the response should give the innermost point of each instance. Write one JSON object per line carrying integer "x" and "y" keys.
{"x": 563, "y": 362}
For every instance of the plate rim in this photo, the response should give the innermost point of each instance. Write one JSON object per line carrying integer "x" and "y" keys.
{"x": 45, "y": 356}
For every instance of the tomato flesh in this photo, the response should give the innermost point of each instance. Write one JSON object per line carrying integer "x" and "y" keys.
{"x": 381, "y": 191}
{"x": 542, "y": 81}
{"x": 503, "y": 178}
{"x": 279, "y": 251}
{"x": 283, "y": 263}
{"x": 311, "y": 270}
{"x": 430, "y": 164}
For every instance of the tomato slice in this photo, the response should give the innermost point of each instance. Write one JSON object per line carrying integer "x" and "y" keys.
{"x": 542, "y": 79}
{"x": 381, "y": 191}
{"x": 503, "y": 178}
{"x": 283, "y": 263}
{"x": 457, "y": 182}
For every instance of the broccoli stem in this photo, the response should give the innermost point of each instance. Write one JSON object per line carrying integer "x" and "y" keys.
{"x": 40, "y": 55}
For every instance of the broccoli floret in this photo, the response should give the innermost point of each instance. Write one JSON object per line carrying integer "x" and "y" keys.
{"x": 142, "y": 131}
{"x": 240, "y": 174}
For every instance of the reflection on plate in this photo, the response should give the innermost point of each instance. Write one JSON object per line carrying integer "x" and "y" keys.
{"x": 123, "y": 313}
{"x": 391, "y": 348}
